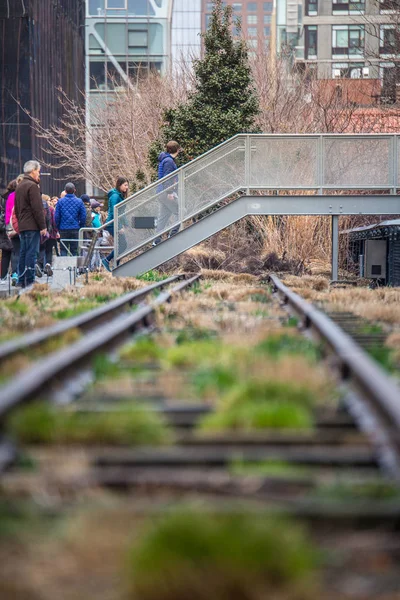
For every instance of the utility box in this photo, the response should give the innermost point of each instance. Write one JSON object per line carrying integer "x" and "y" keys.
{"x": 375, "y": 259}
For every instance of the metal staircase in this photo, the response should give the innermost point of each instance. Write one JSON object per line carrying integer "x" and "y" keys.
{"x": 258, "y": 174}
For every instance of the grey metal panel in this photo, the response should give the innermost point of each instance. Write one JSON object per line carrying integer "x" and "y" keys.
{"x": 255, "y": 205}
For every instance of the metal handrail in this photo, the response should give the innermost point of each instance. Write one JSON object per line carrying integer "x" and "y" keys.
{"x": 381, "y": 393}
{"x": 317, "y": 177}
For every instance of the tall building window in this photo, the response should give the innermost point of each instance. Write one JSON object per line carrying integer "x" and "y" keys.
{"x": 349, "y": 71}
{"x": 237, "y": 6}
{"x": 267, "y": 19}
{"x": 252, "y": 19}
{"x": 252, "y": 31}
{"x": 348, "y": 7}
{"x": 389, "y": 6}
{"x": 267, "y": 6}
{"x": 267, "y": 31}
{"x": 347, "y": 40}
{"x": 252, "y": 6}
{"x": 121, "y": 4}
{"x": 389, "y": 39}
{"x": 312, "y": 8}
{"x": 311, "y": 47}
{"x": 137, "y": 39}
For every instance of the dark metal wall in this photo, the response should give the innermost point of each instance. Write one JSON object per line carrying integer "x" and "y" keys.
{"x": 394, "y": 262}
{"x": 41, "y": 49}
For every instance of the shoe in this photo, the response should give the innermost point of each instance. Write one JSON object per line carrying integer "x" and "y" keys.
{"x": 14, "y": 279}
{"x": 48, "y": 270}
{"x": 38, "y": 271}
{"x": 106, "y": 264}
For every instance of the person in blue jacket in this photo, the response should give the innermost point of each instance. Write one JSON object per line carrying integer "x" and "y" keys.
{"x": 70, "y": 216}
{"x": 115, "y": 196}
{"x": 169, "y": 199}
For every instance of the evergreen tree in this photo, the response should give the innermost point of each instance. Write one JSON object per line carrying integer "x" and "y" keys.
{"x": 223, "y": 102}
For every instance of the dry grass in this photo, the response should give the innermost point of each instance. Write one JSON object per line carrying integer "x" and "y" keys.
{"x": 379, "y": 305}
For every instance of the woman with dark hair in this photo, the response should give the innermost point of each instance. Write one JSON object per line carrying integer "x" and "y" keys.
{"x": 11, "y": 187}
{"x": 115, "y": 196}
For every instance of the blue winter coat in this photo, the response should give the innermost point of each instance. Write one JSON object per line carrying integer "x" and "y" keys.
{"x": 70, "y": 213}
{"x": 166, "y": 165}
{"x": 114, "y": 198}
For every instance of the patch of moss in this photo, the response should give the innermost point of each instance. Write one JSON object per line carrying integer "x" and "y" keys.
{"x": 349, "y": 490}
{"x": 217, "y": 378}
{"x": 194, "y": 334}
{"x": 78, "y": 309}
{"x": 261, "y": 298}
{"x": 152, "y": 276}
{"x": 384, "y": 356}
{"x": 194, "y": 353}
{"x": 269, "y": 468}
{"x": 253, "y": 415}
{"x": 19, "y": 308}
{"x": 235, "y": 556}
{"x": 278, "y": 345}
{"x": 143, "y": 350}
{"x": 43, "y": 423}
{"x": 103, "y": 367}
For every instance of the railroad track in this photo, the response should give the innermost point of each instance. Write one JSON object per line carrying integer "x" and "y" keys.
{"x": 364, "y": 435}
{"x": 354, "y": 447}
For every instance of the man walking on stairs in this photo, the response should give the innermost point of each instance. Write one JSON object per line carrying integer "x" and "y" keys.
{"x": 169, "y": 198}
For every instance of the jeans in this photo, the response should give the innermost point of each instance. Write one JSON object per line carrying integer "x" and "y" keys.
{"x": 122, "y": 242}
{"x": 46, "y": 252}
{"x": 30, "y": 242}
{"x": 69, "y": 248}
{"x": 168, "y": 208}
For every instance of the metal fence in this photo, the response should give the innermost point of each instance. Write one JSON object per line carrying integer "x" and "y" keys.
{"x": 264, "y": 162}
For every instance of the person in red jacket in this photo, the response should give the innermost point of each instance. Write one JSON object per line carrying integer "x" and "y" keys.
{"x": 31, "y": 221}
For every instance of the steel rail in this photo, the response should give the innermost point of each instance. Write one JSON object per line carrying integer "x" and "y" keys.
{"x": 61, "y": 365}
{"x": 83, "y": 322}
{"x": 378, "y": 398}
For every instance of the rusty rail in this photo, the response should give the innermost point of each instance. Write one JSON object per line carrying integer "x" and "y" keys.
{"x": 376, "y": 401}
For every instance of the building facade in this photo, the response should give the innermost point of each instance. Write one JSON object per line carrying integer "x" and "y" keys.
{"x": 352, "y": 40}
{"x": 42, "y": 49}
{"x": 256, "y": 20}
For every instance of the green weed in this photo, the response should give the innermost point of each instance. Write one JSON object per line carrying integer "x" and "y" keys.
{"x": 384, "y": 356}
{"x": 194, "y": 334}
{"x": 268, "y": 468}
{"x": 261, "y": 298}
{"x": 104, "y": 368}
{"x": 19, "y": 308}
{"x": 199, "y": 555}
{"x": 43, "y": 423}
{"x": 278, "y": 345}
{"x": 291, "y": 322}
{"x": 218, "y": 378}
{"x": 143, "y": 350}
{"x": 252, "y": 415}
{"x": 349, "y": 490}
{"x": 74, "y": 311}
{"x": 152, "y": 276}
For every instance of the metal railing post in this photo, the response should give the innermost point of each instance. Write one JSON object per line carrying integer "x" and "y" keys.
{"x": 181, "y": 195}
{"x": 335, "y": 248}
{"x": 395, "y": 164}
{"x": 247, "y": 163}
{"x": 320, "y": 165}
{"x": 116, "y": 230}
